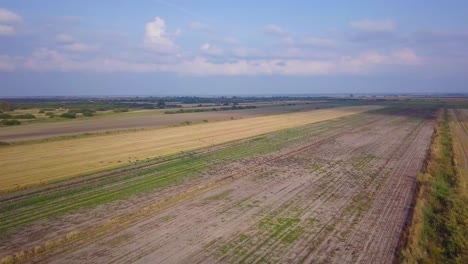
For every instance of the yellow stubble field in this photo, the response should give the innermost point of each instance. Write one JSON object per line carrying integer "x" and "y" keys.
{"x": 27, "y": 165}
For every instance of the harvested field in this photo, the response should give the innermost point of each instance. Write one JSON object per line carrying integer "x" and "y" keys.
{"x": 338, "y": 191}
{"x": 40, "y": 163}
{"x": 133, "y": 120}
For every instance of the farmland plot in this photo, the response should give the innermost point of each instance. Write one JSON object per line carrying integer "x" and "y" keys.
{"x": 29, "y": 165}
{"x": 134, "y": 120}
{"x": 340, "y": 195}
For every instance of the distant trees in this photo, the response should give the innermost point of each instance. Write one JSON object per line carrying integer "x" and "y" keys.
{"x": 7, "y": 106}
{"x": 25, "y": 116}
{"x": 10, "y": 122}
{"x": 87, "y": 112}
{"x": 68, "y": 115}
{"x": 161, "y": 104}
{"x": 5, "y": 116}
{"x": 120, "y": 110}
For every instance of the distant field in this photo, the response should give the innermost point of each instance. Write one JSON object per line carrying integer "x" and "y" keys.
{"x": 132, "y": 120}
{"x": 40, "y": 163}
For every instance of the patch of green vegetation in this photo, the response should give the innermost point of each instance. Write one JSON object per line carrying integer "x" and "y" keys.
{"x": 278, "y": 225}
{"x": 225, "y": 249}
{"x": 120, "y": 110}
{"x": 87, "y": 112}
{"x": 243, "y": 237}
{"x": 10, "y": 122}
{"x": 24, "y": 116}
{"x": 316, "y": 167}
{"x": 5, "y": 116}
{"x": 293, "y": 235}
{"x": 440, "y": 208}
{"x": 46, "y": 109}
{"x": 68, "y": 115}
{"x": 363, "y": 161}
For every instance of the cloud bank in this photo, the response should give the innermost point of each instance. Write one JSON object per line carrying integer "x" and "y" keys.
{"x": 159, "y": 51}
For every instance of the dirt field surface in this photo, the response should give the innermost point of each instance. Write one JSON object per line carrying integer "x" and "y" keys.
{"x": 459, "y": 128}
{"x": 336, "y": 195}
{"x": 132, "y": 120}
{"x": 45, "y": 162}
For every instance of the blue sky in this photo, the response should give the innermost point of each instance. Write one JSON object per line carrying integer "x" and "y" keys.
{"x": 232, "y": 47}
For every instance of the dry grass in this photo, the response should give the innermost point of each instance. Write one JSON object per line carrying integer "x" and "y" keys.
{"x": 29, "y": 165}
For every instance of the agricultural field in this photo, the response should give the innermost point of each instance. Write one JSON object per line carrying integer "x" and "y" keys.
{"x": 318, "y": 186}
{"x": 46, "y": 162}
{"x": 179, "y": 133}
{"x": 43, "y": 127}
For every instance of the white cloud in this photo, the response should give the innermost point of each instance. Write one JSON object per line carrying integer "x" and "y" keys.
{"x": 202, "y": 67}
{"x": 275, "y": 30}
{"x": 156, "y": 37}
{"x": 79, "y": 47}
{"x": 8, "y": 17}
{"x": 64, "y": 38}
{"x": 407, "y": 56}
{"x": 199, "y": 26}
{"x": 373, "y": 25}
{"x": 49, "y": 60}
{"x": 318, "y": 42}
{"x": 6, "y": 30}
{"x": 211, "y": 50}
{"x": 368, "y": 61}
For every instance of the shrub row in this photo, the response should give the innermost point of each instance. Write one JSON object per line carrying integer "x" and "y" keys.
{"x": 234, "y": 107}
{"x": 10, "y": 122}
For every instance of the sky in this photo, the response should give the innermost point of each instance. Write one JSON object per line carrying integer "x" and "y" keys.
{"x": 175, "y": 47}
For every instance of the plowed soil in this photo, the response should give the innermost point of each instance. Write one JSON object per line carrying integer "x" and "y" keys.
{"x": 341, "y": 196}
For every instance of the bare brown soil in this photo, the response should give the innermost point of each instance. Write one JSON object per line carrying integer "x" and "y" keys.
{"x": 342, "y": 197}
{"x": 125, "y": 121}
